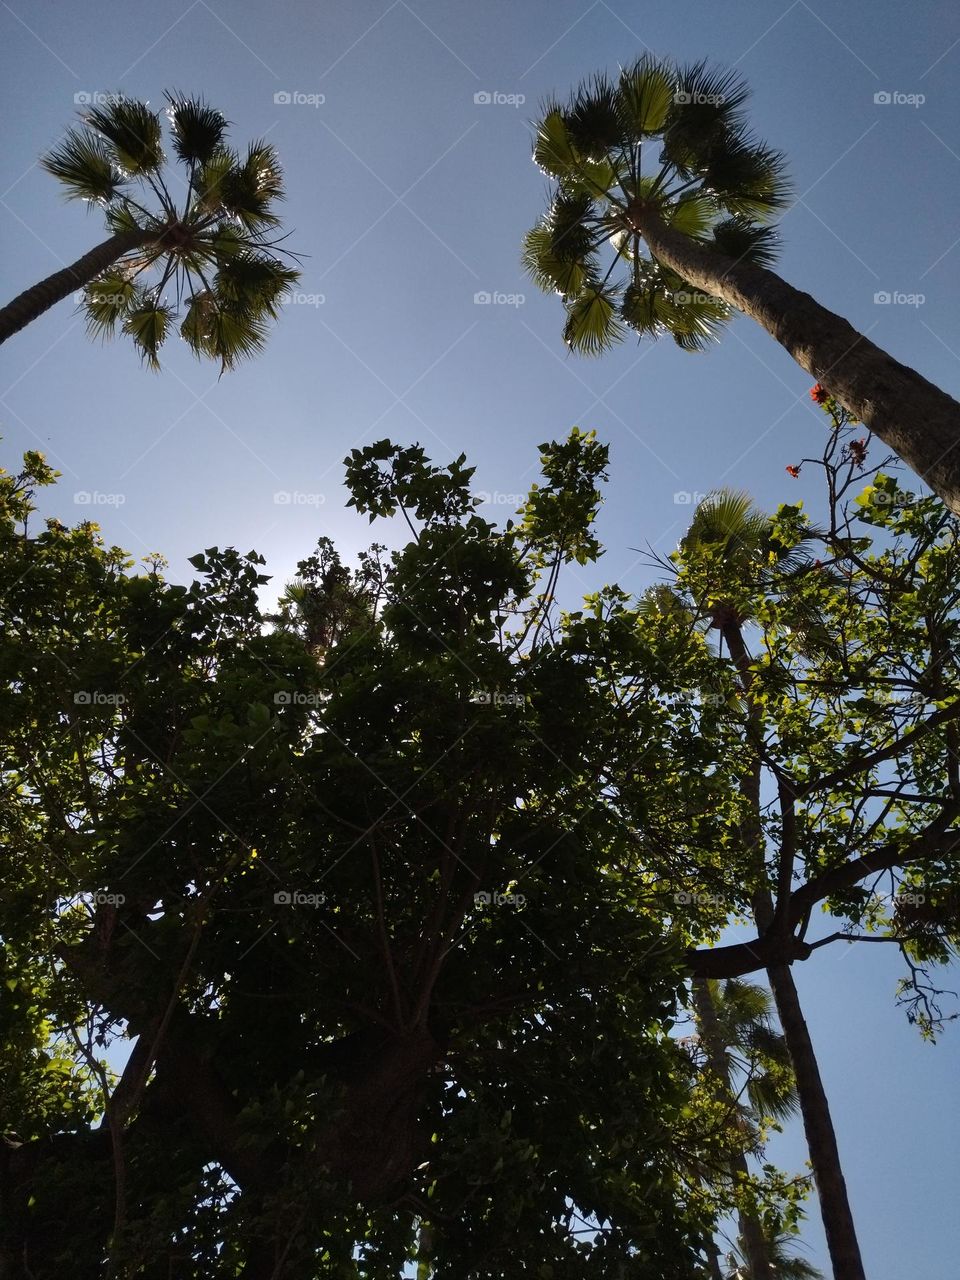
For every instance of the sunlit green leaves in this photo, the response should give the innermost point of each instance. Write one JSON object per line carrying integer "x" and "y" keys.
{"x": 147, "y": 323}
{"x": 593, "y": 323}
{"x": 646, "y": 92}
{"x": 85, "y": 166}
{"x": 132, "y": 132}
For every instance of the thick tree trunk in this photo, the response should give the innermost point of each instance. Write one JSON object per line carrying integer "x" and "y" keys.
{"x": 818, "y": 1126}
{"x": 755, "y": 1247}
{"x": 917, "y": 420}
{"x": 30, "y": 304}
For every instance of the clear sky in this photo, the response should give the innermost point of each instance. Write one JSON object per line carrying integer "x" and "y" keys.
{"x": 410, "y": 197}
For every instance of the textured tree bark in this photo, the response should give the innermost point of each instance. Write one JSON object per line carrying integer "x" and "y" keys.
{"x": 33, "y": 302}
{"x": 835, "y": 1209}
{"x": 913, "y": 417}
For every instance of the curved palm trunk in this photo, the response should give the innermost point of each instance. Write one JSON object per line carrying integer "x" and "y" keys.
{"x": 751, "y": 1232}
{"x": 838, "y": 1224}
{"x": 30, "y": 304}
{"x": 914, "y": 418}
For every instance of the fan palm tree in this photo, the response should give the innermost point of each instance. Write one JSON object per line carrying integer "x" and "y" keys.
{"x": 660, "y": 223}
{"x": 739, "y": 1043}
{"x": 783, "y": 1264}
{"x": 213, "y": 249}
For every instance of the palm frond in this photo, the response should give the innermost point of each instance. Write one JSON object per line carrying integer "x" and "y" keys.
{"x": 593, "y": 323}
{"x": 84, "y": 164}
{"x": 728, "y": 518}
{"x": 133, "y": 132}
{"x": 694, "y": 215}
{"x": 106, "y": 302}
{"x": 197, "y": 129}
{"x": 147, "y": 321}
{"x": 746, "y": 241}
{"x": 593, "y": 119}
{"x": 748, "y": 178}
{"x": 253, "y": 280}
{"x": 644, "y": 96}
{"x": 549, "y": 273}
{"x": 553, "y": 152}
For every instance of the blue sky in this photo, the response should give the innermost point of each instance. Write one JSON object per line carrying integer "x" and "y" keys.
{"x": 410, "y": 197}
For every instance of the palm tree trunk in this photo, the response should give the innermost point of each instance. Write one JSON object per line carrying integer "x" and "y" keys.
{"x": 835, "y": 1211}
{"x": 914, "y": 418}
{"x": 838, "y": 1224}
{"x": 751, "y": 1231}
{"x": 30, "y": 304}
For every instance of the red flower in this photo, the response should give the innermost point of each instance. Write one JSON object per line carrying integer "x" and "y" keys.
{"x": 793, "y": 471}
{"x": 819, "y": 394}
{"x": 857, "y": 449}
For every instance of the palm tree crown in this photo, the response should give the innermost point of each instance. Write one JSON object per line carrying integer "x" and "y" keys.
{"x": 210, "y": 254}
{"x": 660, "y": 141}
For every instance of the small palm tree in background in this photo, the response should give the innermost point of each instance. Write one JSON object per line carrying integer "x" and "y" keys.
{"x": 210, "y": 253}
{"x": 660, "y": 223}
{"x": 750, "y": 1066}
{"x": 784, "y": 1265}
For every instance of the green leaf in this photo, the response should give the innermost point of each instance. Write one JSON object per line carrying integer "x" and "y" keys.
{"x": 593, "y": 324}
